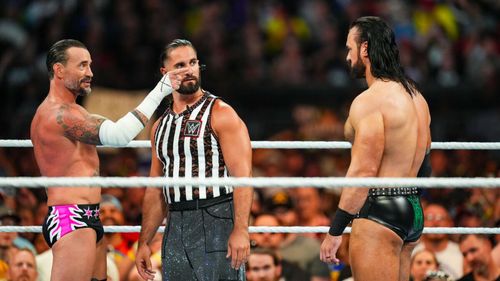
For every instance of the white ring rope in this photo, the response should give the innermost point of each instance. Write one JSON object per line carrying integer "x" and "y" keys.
{"x": 285, "y": 182}
{"x": 296, "y": 144}
{"x": 274, "y": 229}
{"x": 265, "y": 182}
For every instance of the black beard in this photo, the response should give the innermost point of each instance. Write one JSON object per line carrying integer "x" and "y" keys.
{"x": 357, "y": 70}
{"x": 190, "y": 88}
{"x": 480, "y": 268}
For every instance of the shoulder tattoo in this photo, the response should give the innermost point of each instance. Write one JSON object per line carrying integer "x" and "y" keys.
{"x": 84, "y": 129}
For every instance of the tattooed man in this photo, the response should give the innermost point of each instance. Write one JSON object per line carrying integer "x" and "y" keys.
{"x": 64, "y": 137}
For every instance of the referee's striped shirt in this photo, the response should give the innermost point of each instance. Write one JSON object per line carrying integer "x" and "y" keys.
{"x": 188, "y": 147}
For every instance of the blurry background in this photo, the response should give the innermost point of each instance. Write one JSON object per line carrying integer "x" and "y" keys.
{"x": 280, "y": 64}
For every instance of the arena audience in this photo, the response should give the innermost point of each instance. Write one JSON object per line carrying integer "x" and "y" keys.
{"x": 447, "y": 251}
{"x": 290, "y": 52}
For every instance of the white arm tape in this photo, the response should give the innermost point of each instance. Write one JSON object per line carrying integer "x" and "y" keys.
{"x": 121, "y": 132}
{"x": 154, "y": 98}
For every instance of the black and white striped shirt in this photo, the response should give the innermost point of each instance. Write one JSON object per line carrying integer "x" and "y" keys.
{"x": 187, "y": 146}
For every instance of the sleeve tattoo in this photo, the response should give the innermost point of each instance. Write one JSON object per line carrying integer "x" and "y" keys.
{"x": 85, "y": 129}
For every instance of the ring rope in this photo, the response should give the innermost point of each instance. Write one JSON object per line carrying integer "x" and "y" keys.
{"x": 266, "y": 182}
{"x": 293, "y": 144}
{"x": 273, "y": 229}
{"x": 285, "y": 182}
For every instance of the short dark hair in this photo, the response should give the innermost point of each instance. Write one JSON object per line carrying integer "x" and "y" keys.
{"x": 480, "y": 236}
{"x": 176, "y": 43}
{"x": 57, "y": 53}
{"x": 382, "y": 51}
{"x": 268, "y": 252}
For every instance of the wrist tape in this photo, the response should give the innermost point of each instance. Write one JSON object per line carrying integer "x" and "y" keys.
{"x": 340, "y": 222}
{"x": 154, "y": 98}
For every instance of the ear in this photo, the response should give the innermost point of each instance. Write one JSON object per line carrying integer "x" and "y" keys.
{"x": 163, "y": 70}
{"x": 364, "y": 49}
{"x": 58, "y": 69}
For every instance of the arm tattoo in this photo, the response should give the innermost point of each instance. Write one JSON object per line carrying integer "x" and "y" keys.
{"x": 85, "y": 129}
{"x": 141, "y": 117}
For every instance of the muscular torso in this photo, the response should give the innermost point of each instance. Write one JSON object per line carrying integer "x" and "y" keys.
{"x": 406, "y": 128}
{"x": 59, "y": 156}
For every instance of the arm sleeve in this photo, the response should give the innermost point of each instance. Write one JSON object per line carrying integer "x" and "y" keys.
{"x": 121, "y": 132}
{"x": 154, "y": 98}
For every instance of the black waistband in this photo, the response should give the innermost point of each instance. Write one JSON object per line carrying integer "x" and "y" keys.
{"x": 196, "y": 204}
{"x": 95, "y": 206}
{"x": 393, "y": 191}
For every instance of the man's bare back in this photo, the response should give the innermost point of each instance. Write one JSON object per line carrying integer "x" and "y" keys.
{"x": 405, "y": 121}
{"x": 76, "y": 160}
{"x": 388, "y": 126}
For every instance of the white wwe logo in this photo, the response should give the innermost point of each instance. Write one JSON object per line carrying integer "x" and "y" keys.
{"x": 192, "y": 128}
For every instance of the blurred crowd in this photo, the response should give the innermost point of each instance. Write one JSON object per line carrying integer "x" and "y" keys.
{"x": 295, "y": 43}
{"x": 447, "y": 43}
{"x": 297, "y": 255}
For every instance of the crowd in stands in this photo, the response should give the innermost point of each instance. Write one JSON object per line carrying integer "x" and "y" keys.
{"x": 298, "y": 253}
{"x": 449, "y": 43}
{"x": 296, "y": 43}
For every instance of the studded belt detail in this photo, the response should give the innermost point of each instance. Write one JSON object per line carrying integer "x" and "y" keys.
{"x": 394, "y": 191}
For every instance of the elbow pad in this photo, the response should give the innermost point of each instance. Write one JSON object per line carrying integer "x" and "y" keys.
{"x": 425, "y": 170}
{"x": 121, "y": 132}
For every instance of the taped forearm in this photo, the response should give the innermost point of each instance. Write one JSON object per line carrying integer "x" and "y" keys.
{"x": 120, "y": 132}
{"x": 154, "y": 98}
{"x": 128, "y": 127}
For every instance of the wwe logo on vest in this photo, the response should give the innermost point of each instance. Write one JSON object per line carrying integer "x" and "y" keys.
{"x": 192, "y": 128}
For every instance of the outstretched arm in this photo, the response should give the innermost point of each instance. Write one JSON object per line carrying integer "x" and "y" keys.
{"x": 237, "y": 152}
{"x": 154, "y": 209}
{"x": 77, "y": 124}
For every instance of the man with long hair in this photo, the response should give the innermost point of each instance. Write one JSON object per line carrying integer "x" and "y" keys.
{"x": 388, "y": 126}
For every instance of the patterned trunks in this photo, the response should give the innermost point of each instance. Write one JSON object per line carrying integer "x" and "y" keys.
{"x": 63, "y": 219}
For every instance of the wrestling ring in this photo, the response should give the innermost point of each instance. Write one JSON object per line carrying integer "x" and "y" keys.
{"x": 260, "y": 182}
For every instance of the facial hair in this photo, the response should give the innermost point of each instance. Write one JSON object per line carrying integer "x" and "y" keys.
{"x": 190, "y": 87}
{"x": 23, "y": 277}
{"x": 480, "y": 268}
{"x": 75, "y": 88}
{"x": 357, "y": 70}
